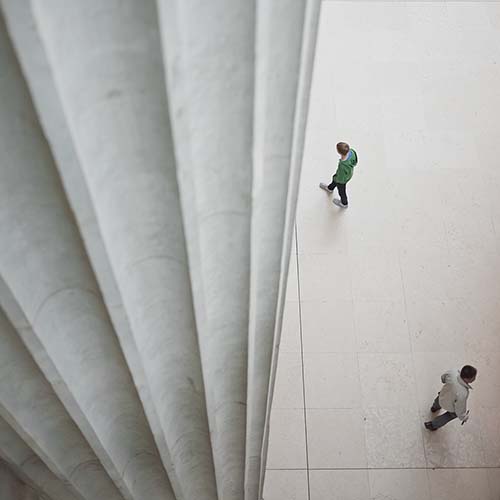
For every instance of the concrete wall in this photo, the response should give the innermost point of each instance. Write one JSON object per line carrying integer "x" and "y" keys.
{"x": 148, "y": 181}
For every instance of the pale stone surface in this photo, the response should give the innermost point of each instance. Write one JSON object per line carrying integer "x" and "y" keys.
{"x": 339, "y": 485}
{"x": 328, "y": 326}
{"x": 331, "y": 380}
{"x": 288, "y": 389}
{"x": 461, "y": 484}
{"x": 394, "y": 438}
{"x": 291, "y": 485}
{"x": 290, "y": 331}
{"x": 407, "y": 279}
{"x": 336, "y": 439}
{"x": 400, "y": 485}
{"x": 287, "y": 440}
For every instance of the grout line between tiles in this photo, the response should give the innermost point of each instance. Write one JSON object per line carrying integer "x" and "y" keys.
{"x": 302, "y": 361}
{"x": 465, "y": 467}
{"x": 355, "y": 326}
{"x": 412, "y": 359}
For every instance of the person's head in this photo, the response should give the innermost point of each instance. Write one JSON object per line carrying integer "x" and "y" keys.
{"x": 468, "y": 373}
{"x": 342, "y": 148}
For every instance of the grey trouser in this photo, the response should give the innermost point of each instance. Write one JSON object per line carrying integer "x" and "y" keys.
{"x": 442, "y": 419}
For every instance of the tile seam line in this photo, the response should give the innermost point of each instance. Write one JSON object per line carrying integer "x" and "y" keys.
{"x": 413, "y": 365}
{"x": 302, "y": 360}
{"x": 388, "y": 468}
{"x": 355, "y": 327}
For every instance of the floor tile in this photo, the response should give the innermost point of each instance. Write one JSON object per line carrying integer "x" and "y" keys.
{"x": 382, "y": 227}
{"x": 376, "y": 273}
{"x": 399, "y": 485}
{"x": 387, "y": 380}
{"x": 287, "y": 446}
{"x": 474, "y": 275}
{"x": 429, "y": 366}
{"x": 455, "y": 445}
{"x": 490, "y": 426}
{"x": 393, "y": 438}
{"x": 408, "y": 278}
{"x": 459, "y": 484}
{"x": 469, "y": 229}
{"x": 328, "y": 326}
{"x": 480, "y": 323}
{"x": 409, "y": 113}
{"x": 381, "y": 326}
{"x": 324, "y": 277}
{"x": 319, "y": 226}
{"x": 426, "y": 275}
{"x": 288, "y": 391}
{"x": 434, "y": 325}
{"x": 494, "y": 482}
{"x": 339, "y": 485}
{"x": 289, "y": 484}
{"x": 486, "y": 391}
{"x": 332, "y": 380}
{"x": 336, "y": 439}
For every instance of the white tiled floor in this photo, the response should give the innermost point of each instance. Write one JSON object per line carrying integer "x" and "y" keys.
{"x": 405, "y": 284}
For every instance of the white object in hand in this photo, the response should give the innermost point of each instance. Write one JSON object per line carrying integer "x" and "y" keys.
{"x": 466, "y": 417}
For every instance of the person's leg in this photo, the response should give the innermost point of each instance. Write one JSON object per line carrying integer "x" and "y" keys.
{"x": 328, "y": 187}
{"x": 436, "y": 406}
{"x": 441, "y": 420}
{"x": 343, "y": 194}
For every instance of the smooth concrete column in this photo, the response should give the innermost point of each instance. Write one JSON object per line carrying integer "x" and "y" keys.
{"x": 28, "y": 466}
{"x": 209, "y": 63}
{"x": 120, "y": 127}
{"x": 69, "y": 332}
{"x": 30, "y": 406}
{"x": 33, "y": 60}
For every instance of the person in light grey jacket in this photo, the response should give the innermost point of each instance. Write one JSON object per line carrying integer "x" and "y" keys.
{"x": 453, "y": 397}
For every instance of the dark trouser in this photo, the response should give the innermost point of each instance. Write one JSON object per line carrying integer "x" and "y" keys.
{"x": 341, "y": 188}
{"x": 442, "y": 419}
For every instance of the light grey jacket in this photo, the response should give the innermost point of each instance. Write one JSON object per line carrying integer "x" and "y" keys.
{"x": 453, "y": 396}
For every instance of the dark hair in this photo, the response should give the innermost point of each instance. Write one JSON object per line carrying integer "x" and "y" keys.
{"x": 468, "y": 372}
{"x": 343, "y": 148}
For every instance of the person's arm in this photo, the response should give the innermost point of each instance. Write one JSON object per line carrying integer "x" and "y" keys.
{"x": 461, "y": 407}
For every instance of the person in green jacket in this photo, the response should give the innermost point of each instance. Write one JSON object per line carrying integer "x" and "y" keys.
{"x": 348, "y": 160}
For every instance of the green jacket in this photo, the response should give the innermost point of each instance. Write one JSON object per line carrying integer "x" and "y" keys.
{"x": 346, "y": 167}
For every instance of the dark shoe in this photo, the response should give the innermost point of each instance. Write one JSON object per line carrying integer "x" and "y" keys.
{"x": 434, "y": 410}
{"x": 428, "y": 426}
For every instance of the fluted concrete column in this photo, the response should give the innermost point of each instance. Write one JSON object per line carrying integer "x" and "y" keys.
{"x": 209, "y": 63}
{"x": 33, "y": 60}
{"x": 66, "y": 325}
{"x": 308, "y": 47}
{"x": 28, "y": 466}
{"x": 30, "y": 407}
{"x": 280, "y": 36}
{"x": 120, "y": 126}
{"x": 159, "y": 224}
{"x": 11, "y": 488}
